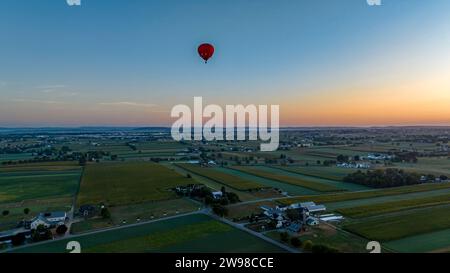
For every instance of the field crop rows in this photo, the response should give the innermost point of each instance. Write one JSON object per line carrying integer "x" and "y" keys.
{"x": 232, "y": 181}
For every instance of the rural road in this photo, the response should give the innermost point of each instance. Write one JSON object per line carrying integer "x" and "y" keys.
{"x": 203, "y": 211}
{"x": 107, "y": 229}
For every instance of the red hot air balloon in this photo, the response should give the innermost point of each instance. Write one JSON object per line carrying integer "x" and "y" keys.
{"x": 206, "y": 51}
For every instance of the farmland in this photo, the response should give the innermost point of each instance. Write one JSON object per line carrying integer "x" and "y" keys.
{"x": 235, "y": 182}
{"x": 339, "y": 197}
{"x": 288, "y": 179}
{"x": 332, "y": 173}
{"x": 17, "y": 186}
{"x": 388, "y": 207}
{"x": 133, "y": 173}
{"x": 36, "y": 187}
{"x": 194, "y": 233}
{"x": 438, "y": 241}
{"x": 394, "y": 227}
{"x": 290, "y": 189}
{"x": 128, "y": 183}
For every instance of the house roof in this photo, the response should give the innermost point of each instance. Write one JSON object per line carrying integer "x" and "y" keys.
{"x": 42, "y": 219}
{"x": 316, "y": 208}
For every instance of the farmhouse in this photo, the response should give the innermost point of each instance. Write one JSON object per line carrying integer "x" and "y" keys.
{"x": 48, "y": 219}
{"x": 379, "y": 157}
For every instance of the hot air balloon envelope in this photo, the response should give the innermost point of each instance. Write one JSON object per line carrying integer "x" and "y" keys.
{"x": 206, "y": 51}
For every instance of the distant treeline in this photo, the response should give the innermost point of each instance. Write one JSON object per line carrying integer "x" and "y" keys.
{"x": 383, "y": 178}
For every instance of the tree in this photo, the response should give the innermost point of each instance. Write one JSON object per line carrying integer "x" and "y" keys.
{"x": 5, "y": 212}
{"x": 342, "y": 158}
{"x": 41, "y": 233}
{"x": 18, "y": 239}
{"x": 296, "y": 242}
{"x": 26, "y": 211}
{"x": 224, "y": 201}
{"x": 82, "y": 161}
{"x": 308, "y": 245}
{"x": 220, "y": 210}
{"x": 284, "y": 236}
{"x": 104, "y": 212}
{"x": 61, "y": 230}
{"x": 188, "y": 175}
{"x": 233, "y": 197}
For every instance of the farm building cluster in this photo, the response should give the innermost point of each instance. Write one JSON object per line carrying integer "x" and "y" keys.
{"x": 46, "y": 220}
{"x": 296, "y": 217}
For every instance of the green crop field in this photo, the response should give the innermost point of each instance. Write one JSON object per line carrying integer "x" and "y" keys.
{"x": 322, "y": 187}
{"x": 128, "y": 183}
{"x": 332, "y": 173}
{"x": 293, "y": 190}
{"x": 338, "y": 197}
{"x": 438, "y": 241}
{"x": 428, "y": 165}
{"x": 409, "y": 223}
{"x": 8, "y": 157}
{"x": 343, "y": 186}
{"x": 18, "y": 186}
{"x": 195, "y": 233}
{"x": 233, "y": 181}
{"x": 388, "y": 207}
{"x": 41, "y": 166}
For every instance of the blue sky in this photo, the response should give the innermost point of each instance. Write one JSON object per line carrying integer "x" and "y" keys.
{"x": 117, "y": 62}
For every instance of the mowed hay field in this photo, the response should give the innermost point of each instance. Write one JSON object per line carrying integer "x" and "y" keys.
{"x": 393, "y": 227}
{"x": 128, "y": 183}
{"x": 321, "y": 187}
{"x": 194, "y": 233}
{"x": 338, "y": 197}
{"x": 388, "y": 207}
{"x": 232, "y": 181}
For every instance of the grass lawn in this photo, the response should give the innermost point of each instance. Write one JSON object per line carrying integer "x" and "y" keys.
{"x": 316, "y": 186}
{"x": 338, "y": 197}
{"x": 194, "y": 233}
{"x": 233, "y": 181}
{"x": 128, "y": 183}
{"x": 402, "y": 225}
{"x": 388, "y": 207}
